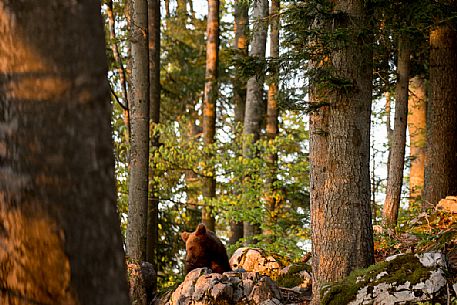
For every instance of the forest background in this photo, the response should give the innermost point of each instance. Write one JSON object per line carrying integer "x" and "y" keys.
{"x": 275, "y": 149}
{"x": 269, "y": 186}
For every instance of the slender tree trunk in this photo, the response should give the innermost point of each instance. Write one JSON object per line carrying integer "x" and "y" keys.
{"x": 272, "y": 117}
{"x": 154, "y": 114}
{"x": 60, "y": 240}
{"x": 441, "y": 158}
{"x": 191, "y": 9}
{"x": 120, "y": 66}
{"x": 397, "y": 159}
{"x": 167, "y": 8}
{"x": 239, "y": 90}
{"x": 342, "y": 232}
{"x": 139, "y": 138}
{"x": 255, "y": 106}
{"x": 389, "y": 129}
{"x": 374, "y": 188}
{"x": 209, "y": 107}
{"x": 193, "y": 182}
{"x": 417, "y": 133}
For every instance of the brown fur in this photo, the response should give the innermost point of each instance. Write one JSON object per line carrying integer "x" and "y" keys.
{"x": 205, "y": 249}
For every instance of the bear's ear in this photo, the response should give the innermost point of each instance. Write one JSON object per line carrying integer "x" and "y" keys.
{"x": 201, "y": 229}
{"x": 185, "y": 236}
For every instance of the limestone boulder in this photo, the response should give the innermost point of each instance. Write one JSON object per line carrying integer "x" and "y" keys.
{"x": 448, "y": 204}
{"x": 255, "y": 260}
{"x": 201, "y": 287}
{"x": 400, "y": 279}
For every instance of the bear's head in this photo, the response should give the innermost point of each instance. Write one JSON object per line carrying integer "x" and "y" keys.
{"x": 197, "y": 252}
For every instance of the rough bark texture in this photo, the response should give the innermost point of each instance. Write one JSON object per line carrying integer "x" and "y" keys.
{"x": 340, "y": 158}
{"x": 240, "y": 44}
{"x": 209, "y": 105}
{"x": 272, "y": 116}
{"x": 139, "y": 138}
{"x": 255, "y": 105}
{"x": 397, "y": 150}
{"x": 441, "y": 158}
{"x": 417, "y": 136}
{"x": 152, "y": 239}
{"x": 59, "y": 232}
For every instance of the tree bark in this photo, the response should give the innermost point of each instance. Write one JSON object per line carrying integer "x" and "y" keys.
{"x": 59, "y": 231}
{"x": 389, "y": 130}
{"x": 272, "y": 117}
{"x": 417, "y": 134}
{"x": 209, "y": 107}
{"x": 120, "y": 66}
{"x": 152, "y": 238}
{"x": 342, "y": 233}
{"x": 139, "y": 138}
{"x": 240, "y": 44}
{"x": 397, "y": 157}
{"x": 255, "y": 106}
{"x": 441, "y": 158}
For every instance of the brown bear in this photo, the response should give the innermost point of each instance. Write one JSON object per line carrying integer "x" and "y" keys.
{"x": 205, "y": 249}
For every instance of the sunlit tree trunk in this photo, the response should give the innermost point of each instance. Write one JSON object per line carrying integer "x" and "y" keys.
{"x": 154, "y": 114}
{"x": 60, "y": 240}
{"x": 389, "y": 129}
{"x": 441, "y": 158}
{"x": 120, "y": 66}
{"x": 239, "y": 89}
{"x": 139, "y": 138}
{"x": 342, "y": 233}
{"x": 255, "y": 105}
{"x": 272, "y": 117}
{"x": 209, "y": 106}
{"x": 167, "y": 8}
{"x": 417, "y": 135}
{"x": 397, "y": 157}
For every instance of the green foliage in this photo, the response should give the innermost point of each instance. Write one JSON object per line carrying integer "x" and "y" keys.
{"x": 241, "y": 181}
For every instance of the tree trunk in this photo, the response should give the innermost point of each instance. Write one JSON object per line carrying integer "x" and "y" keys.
{"x": 255, "y": 106}
{"x": 389, "y": 130}
{"x": 342, "y": 233}
{"x": 152, "y": 238}
{"x": 239, "y": 91}
{"x": 139, "y": 138}
{"x": 59, "y": 231}
{"x": 120, "y": 66}
{"x": 397, "y": 157}
{"x": 272, "y": 117}
{"x": 167, "y": 8}
{"x": 441, "y": 158}
{"x": 209, "y": 107}
{"x": 417, "y": 135}
{"x": 193, "y": 182}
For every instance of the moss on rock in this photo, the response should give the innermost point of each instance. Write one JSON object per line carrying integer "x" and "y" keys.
{"x": 401, "y": 269}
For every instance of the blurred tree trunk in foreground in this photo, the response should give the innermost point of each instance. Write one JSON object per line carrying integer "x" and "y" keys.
{"x": 59, "y": 232}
